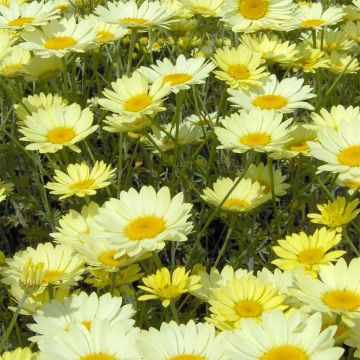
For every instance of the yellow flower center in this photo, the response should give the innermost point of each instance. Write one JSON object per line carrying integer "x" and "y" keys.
{"x": 285, "y": 352}
{"x": 81, "y": 185}
{"x": 52, "y": 275}
{"x": 61, "y": 135}
{"x": 300, "y": 146}
{"x": 20, "y": 21}
{"x": 137, "y": 103}
{"x": 102, "y": 36}
{"x": 312, "y": 22}
{"x": 62, "y": 7}
{"x": 186, "y": 357}
{"x": 235, "y": 204}
{"x": 248, "y": 308}
{"x": 11, "y": 69}
{"x": 255, "y": 139}
{"x": 59, "y": 42}
{"x": 350, "y": 156}
{"x": 311, "y": 256}
{"x": 87, "y": 324}
{"x": 98, "y": 356}
{"x": 176, "y": 79}
{"x": 342, "y": 299}
{"x": 352, "y": 184}
{"x": 145, "y": 227}
{"x": 270, "y": 101}
{"x": 169, "y": 292}
{"x": 107, "y": 258}
{"x": 239, "y": 72}
{"x": 133, "y": 21}
{"x": 253, "y": 9}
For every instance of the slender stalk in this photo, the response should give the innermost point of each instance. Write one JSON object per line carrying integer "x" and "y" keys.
{"x": 273, "y": 195}
{"x": 13, "y": 321}
{"x": 131, "y": 50}
{"x": 174, "y": 311}
{"x": 227, "y": 240}
{"x": 120, "y": 163}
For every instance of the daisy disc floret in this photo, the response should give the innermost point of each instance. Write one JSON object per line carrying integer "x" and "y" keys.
{"x": 307, "y": 251}
{"x": 283, "y": 96}
{"x": 168, "y": 287}
{"x": 280, "y": 337}
{"x": 81, "y": 180}
{"x": 54, "y": 127}
{"x": 181, "y": 75}
{"x": 145, "y": 220}
{"x": 262, "y": 131}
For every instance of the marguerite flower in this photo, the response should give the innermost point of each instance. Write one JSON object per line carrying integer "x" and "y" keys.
{"x": 60, "y": 266}
{"x": 106, "y": 32}
{"x": 55, "y": 318}
{"x": 39, "y": 68}
{"x": 103, "y": 341}
{"x": 205, "y": 8}
{"x": 243, "y": 298}
{"x": 352, "y": 29}
{"x": 336, "y": 291}
{"x": 246, "y": 196}
{"x": 53, "y": 127}
{"x": 60, "y": 37}
{"x": 144, "y": 220}
{"x": 240, "y": 67}
{"x": 168, "y": 287}
{"x": 26, "y": 16}
{"x": 254, "y": 15}
{"x": 337, "y": 213}
{"x": 189, "y": 341}
{"x": 14, "y": 63}
{"x": 343, "y": 63}
{"x": 33, "y": 103}
{"x": 7, "y": 39}
{"x": 282, "y": 337}
{"x": 350, "y": 179}
{"x": 181, "y": 75}
{"x": 130, "y": 15}
{"x": 19, "y": 354}
{"x": 262, "y": 131}
{"x": 307, "y": 252}
{"x": 81, "y": 180}
{"x": 339, "y": 149}
{"x": 284, "y": 96}
{"x": 134, "y": 98}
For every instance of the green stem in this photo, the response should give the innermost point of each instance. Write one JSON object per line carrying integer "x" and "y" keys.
{"x": 227, "y": 240}
{"x": 120, "y": 163}
{"x": 131, "y": 50}
{"x": 174, "y": 311}
{"x": 273, "y": 195}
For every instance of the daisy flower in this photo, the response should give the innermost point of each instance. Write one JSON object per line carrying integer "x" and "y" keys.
{"x": 337, "y": 213}
{"x": 104, "y": 341}
{"x": 203, "y": 120}
{"x": 189, "y": 341}
{"x": 144, "y": 220}
{"x": 254, "y": 15}
{"x": 314, "y": 16}
{"x": 246, "y": 196}
{"x": 81, "y": 180}
{"x": 60, "y": 37}
{"x": 122, "y": 123}
{"x": 28, "y": 15}
{"x": 284, "y": 96}
{"x": 307, "y": 252}
{"x": 185, "y": 134}
{"x": 5, "y": 189}
{"x": 343, "y": 63}
{"x": 299, "y": 135}
{"x": 105, "y": 32}
{"x": 7, "y": 39}
{"x": 39, "y": 68}
{"x": 32, "y": 277}
{"x": 14, "y": 63}
{"x": 262, "y": 131}
{"x": 134, "y": 98}
{"x": 130, "y": 15}
{"x": 181, "y": 75}
{"x": 19, "y": 354}
{"x": 33, "y": 103}
{"x": 60, "y": 266}
{"x": 74, "y": 226}
{"x": 51, "y": 128}
{"x": 243, "y": 298}
{"x": 353, "y": 339}
{"x": 261, "y": 174}
{"x": 279, "y": 336}
{"x": 336, "y": 291}
{"x": 339, "y": 149}
{"x": 333, "y": 118}
{"x": 168, "y": 287}
{"x": 309, "y": 59}
{"x": 205, "y": 8}
{"x": 55, "y": 318}
{"x": 272, "y": 48}
{"x": 350, "y": 179}
{"x": 240, "y": 67}
{"x": 352, "y": 30}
